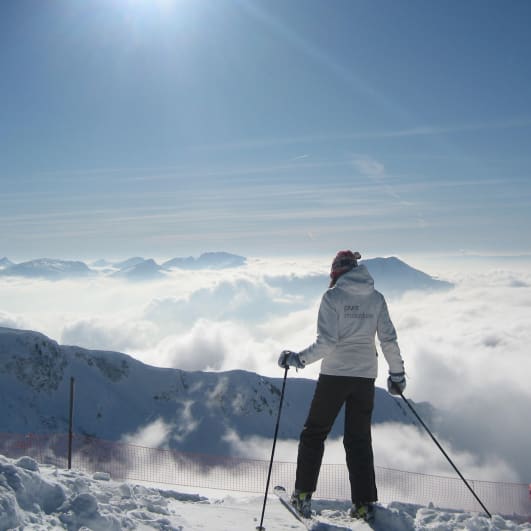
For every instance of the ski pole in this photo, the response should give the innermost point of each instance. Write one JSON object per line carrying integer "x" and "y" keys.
{"x": 261, "y": 527}
{"x": 441, "y": 448}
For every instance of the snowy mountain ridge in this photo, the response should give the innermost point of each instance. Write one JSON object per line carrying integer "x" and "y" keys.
{"x": 117, "y": 396}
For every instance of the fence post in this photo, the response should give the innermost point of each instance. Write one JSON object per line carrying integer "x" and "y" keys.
{"x": 70, "y": 422}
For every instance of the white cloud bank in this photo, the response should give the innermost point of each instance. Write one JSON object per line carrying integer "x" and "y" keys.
{"x": 396, "y": 446}
{"x": 466, "y": 350}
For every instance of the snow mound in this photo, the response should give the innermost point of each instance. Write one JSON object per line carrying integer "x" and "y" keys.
{"x": 35, "y": 497}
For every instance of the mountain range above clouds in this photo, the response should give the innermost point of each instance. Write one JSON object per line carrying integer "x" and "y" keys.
{"x": 391, "y": 274}
{"x": 135, "y": 268}
{"x": 120, "y": 398}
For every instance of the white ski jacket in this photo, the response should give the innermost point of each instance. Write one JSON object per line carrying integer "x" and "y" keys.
{"x": 351, "y": 314}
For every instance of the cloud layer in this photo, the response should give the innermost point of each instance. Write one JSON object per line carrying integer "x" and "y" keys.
{"x": 466, "y": 350}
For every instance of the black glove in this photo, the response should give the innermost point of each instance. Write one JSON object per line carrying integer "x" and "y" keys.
{"x": 396, "y": 383}
{"x": 290, "y": 359}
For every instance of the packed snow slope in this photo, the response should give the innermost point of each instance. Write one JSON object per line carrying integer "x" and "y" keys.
{"x": 116, "y": 396}
{"x": 37, "y": 497}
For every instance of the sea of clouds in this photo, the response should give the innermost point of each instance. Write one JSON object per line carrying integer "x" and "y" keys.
{"x": 466, "y": 350}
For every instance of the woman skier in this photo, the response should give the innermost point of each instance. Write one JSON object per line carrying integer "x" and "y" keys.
{"x": 352, "y": 313}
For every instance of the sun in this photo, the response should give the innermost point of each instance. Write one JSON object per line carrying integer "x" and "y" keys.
{"x": 159, "y": 5}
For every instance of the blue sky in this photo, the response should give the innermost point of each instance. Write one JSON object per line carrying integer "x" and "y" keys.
{"x": 166, "y": 128}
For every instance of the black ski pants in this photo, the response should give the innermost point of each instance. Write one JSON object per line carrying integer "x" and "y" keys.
{"x": 330, "y": 394}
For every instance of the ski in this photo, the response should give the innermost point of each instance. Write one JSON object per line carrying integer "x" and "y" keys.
{"x": 309, "y": 523}
{"x": 320, "y": 522}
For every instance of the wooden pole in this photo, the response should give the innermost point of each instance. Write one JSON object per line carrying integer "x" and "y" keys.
{"x": 70, "y": 422}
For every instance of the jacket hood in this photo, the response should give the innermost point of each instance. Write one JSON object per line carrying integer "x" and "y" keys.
{"x": 358, "y": 279}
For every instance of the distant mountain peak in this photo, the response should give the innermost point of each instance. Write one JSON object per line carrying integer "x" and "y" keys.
{"x": 48, "y": 268}
{"x": 392, "y": 275}
{"x": 144, "y": 270}
{"x": 5, "y": 262}
{"x": 208, "y": 260}
{"x": 130, "y": 262}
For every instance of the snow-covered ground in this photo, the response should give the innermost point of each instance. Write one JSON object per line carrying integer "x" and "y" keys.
{"x": 43, "y": 497}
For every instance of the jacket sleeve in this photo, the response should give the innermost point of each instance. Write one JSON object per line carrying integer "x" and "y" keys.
{"x": 388, "y": 340}
{"x": 327, "y": 332}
